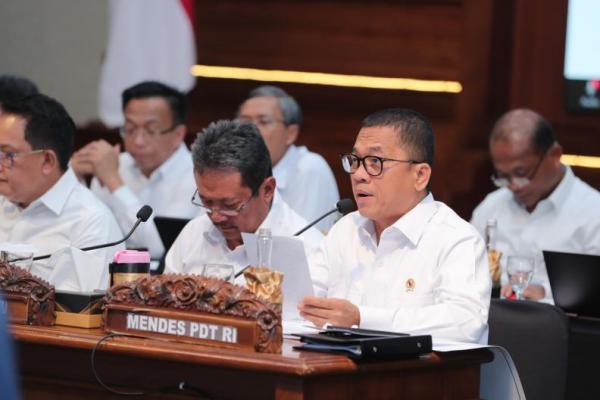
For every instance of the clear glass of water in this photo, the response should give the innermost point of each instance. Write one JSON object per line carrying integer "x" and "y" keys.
{"x": 520, "y": 272}
{"x": 220, "y": 271}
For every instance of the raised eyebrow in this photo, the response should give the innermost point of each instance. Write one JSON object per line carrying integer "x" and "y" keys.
{"x": 370, "y": 150}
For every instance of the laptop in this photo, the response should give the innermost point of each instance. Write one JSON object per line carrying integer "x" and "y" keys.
{"x": 168, "y": 229}
{"x": 575, "y": 282}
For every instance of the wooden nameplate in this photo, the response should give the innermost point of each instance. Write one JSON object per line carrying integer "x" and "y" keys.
{"x": 194, "y": 309}
{"x": 28, "y": 300}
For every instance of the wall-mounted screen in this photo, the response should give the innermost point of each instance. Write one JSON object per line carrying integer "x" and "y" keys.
{"x": 582, "y": 56}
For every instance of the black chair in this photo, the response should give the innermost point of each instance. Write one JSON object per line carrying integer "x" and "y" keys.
{"x": 537, "y": 337}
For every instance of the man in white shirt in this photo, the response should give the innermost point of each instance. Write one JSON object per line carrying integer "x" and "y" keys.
{"x": 540, "y": 203}
{"x": 403, "y": 262}
{"x": 41, "y": 201}
{"x": 156, "y": 168}
{"x": 304, "y": 178}
{"x": 236, "y": 188}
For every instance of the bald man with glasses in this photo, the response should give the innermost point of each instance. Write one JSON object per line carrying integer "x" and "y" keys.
{"x": 540, "y": 204}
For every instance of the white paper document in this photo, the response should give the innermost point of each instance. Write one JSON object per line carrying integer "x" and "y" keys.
{"x": 289, "y": 258}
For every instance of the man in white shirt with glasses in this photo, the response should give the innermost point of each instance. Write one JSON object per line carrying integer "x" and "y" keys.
{"x": 236, "y": 188}
{"x": 304, "y": 178}
{"x": 540, "y": 204}
{"x": 403, "y": 262}
{"x": 156, "y": 168}
{"x": 43, "y": 205}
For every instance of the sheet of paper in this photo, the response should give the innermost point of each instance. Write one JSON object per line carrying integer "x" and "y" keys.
{"x": 288, "y": 257}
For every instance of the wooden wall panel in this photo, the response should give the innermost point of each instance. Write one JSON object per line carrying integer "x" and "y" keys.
{"x": 505, "y": 53}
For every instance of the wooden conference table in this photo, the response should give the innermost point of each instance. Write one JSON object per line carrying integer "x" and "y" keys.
{"x": 55, "y": 364}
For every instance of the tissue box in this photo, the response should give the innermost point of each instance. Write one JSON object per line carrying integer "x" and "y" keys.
{"x": 81, "y": 310}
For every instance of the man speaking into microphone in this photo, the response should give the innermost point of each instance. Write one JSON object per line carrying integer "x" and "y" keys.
{"x": 404, "y": 262}
{"x": 43, "y": 205}
{"x": 236, "y": 188}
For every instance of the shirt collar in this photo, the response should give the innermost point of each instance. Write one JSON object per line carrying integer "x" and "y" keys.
{"x": 56, "y": 197}
{"x": 411, "y": 225}
{"x": 285, "y": 166}
{"x": 561, "y": 192}
{"x": 168, "y": 168}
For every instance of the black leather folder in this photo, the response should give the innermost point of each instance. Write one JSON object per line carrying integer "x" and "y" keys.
{"x": 364, "y": 344}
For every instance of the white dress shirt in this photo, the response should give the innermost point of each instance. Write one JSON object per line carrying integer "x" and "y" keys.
{"x": 67, "y": 215}
{"x": 567, "y": 221}
{"x": 307, "y": 184}
{"x": 168, "y": 191}
{"x": 201, "y": 242}
{"x": 427, "y": 275}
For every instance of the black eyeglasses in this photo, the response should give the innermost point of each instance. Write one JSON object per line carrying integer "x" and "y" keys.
{"x": 227, "y": 211}
{"x": 372, "y": 164}
{"x": 517, "y": 181}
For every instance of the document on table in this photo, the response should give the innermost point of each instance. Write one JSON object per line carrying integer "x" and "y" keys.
{"x": 289, "y": 258}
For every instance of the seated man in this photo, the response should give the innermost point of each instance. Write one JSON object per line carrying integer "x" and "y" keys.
{"x": 540, "y": 203}
{"x": 403, "y": 262}
{"x": 236, "y": 188}
{"x": 304, "y": 179}
{"x": 41, "y": 201}
{"x": 156, "y": 168}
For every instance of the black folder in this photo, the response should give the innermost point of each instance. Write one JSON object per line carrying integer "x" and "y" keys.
{"x": 365, "y": 344}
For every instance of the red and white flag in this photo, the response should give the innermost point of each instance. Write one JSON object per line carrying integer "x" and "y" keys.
{"x": 147, "y": 40}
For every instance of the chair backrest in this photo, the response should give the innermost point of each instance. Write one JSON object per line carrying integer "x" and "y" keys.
{"x": 537, "y": 337}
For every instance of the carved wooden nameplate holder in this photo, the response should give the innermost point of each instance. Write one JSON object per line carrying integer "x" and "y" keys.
{"x": 194, "y": 309}
{"x": 27, "y": 299}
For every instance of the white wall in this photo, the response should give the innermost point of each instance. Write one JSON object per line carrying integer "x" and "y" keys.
{"x": 58, "y": 44}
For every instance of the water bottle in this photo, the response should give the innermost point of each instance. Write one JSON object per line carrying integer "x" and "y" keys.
{"x": 265, "y": 247}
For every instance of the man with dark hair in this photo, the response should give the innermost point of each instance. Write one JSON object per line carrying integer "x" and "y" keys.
{"x": 236, "y": 188}
{"x": 156, "y": 168}
{"x": 403, "y": 262}
{"x": 304, "y": 178}
{"x": 41, "y": 202}
{"x": 540, "y": 204}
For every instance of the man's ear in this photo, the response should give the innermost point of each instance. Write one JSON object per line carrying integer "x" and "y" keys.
{"x": 50, "y": 162}
{"x": 267, "y": 189}
{"x": 292, "y": 132}
{"x": 180, "y": 132}
{"x": 422, "y": 176}
{"x": 555, "y": 153}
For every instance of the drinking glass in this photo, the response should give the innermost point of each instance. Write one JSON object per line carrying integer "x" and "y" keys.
{"x": 220, "y": 271}
{"x": 22, "y": 259}
{"x": 520, "y": 272}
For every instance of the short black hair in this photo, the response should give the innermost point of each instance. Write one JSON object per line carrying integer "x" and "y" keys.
{"x": 49, "y": 126}
{"x": 233, "y": 145}
{"x": 174, "y": 98}
{"x": 414, "y": 131}
{"x": 14, "y": 88}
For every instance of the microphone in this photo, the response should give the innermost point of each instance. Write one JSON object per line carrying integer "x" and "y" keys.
{"x": 142, "y": 216}
{"x": 344, "y": 206}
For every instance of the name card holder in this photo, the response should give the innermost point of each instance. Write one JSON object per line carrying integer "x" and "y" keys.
{"x": 194, "y": 309}
{"x": 26, "y": 299}
{"x": 182, "y": 326}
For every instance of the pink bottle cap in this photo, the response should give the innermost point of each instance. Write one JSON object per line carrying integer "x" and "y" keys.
{"x": 131, "y": 256}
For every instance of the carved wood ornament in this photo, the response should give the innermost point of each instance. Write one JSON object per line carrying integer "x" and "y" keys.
{"x": 203, "y": 295}
{"x": 30, "y": 300}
